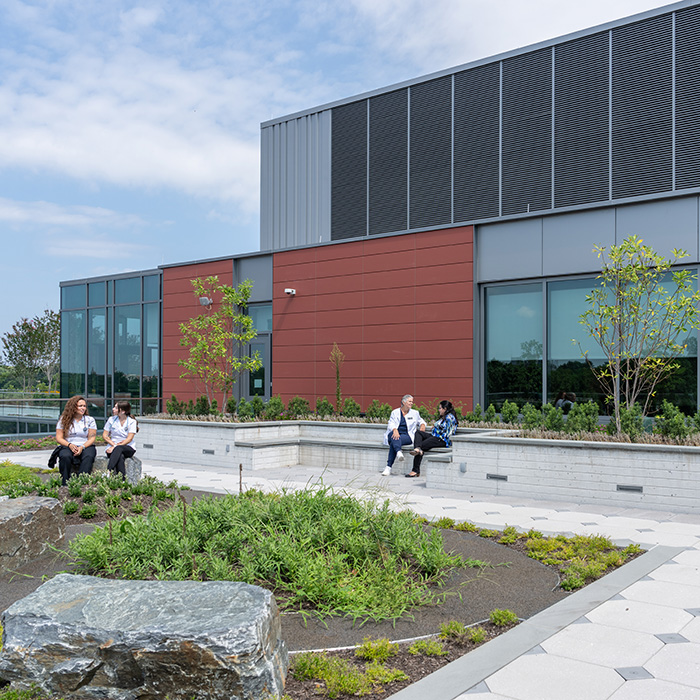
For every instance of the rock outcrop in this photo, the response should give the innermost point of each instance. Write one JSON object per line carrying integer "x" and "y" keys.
{"x": 132, "y": 465}
{"x": 29, "y": 526}
{"x": 128, "y": 640}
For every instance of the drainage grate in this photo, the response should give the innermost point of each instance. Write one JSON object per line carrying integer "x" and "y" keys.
{"x": 497, "y": 477}
{"x": 146, "y": 446}
{"x": 207, "y": 452}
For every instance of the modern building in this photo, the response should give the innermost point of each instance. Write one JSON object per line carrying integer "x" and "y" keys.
{"x": 440, "y": 230}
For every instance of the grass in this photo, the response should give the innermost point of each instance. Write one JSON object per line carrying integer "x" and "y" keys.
{"x": 315, "y": 549}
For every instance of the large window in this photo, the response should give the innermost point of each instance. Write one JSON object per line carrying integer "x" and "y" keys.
{"x": 516, "y": 355}
{"x": 72, "y": 353}
{"x": 127, "y": 351}
{"x": 514, "y": 344}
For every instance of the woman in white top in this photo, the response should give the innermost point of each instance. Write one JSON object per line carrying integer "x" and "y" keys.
{"x": 119, "y": 433}
{"x": 75, "y": 432}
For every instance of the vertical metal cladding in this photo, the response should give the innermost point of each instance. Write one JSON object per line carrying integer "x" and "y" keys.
{"x": 349, "y": 171}
{"x": 388, "y": 162}
{"x": 642, "y": 118}
{"x": 688, "y": 98}
{"x": 430, "y": 168}
{"x": 477, "y": 142}
{"x": 581, "y": 121}
{"x": 527, "y": 133}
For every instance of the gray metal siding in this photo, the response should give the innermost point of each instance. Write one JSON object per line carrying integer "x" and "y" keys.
{"x": 295, "y": 182}
{"x": 688, "y": 98}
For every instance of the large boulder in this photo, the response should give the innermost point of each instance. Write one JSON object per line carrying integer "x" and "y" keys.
{"x": 29, "y": 526}
{"x": 132, "y": 465}
{"x": 100, "y": 638}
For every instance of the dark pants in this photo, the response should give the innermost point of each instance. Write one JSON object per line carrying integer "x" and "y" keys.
{"x": 426, "y": 442}
{"x": 395, "y": 446}
{"x": 117, "y": 457}
{"x": 66, "y": 460}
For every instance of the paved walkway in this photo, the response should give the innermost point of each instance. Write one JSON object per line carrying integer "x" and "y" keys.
{"x": 633, "y": 635}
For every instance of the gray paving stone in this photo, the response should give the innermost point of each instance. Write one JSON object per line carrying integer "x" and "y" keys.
{"x": 634, "y": 673}
{"x": 671, "y": 638}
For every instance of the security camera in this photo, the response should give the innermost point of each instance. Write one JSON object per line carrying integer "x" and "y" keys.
{"x": 290, "y": 292}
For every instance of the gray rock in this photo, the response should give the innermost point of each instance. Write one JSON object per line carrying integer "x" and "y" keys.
{"x": 29, "y": 526}
{"x": 100, "y": 638}
{"x": 132, "y": 464}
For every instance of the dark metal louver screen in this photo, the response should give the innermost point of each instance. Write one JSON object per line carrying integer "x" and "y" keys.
{"x": 641, "y": 108}
{"x": 388, "y": 161}
{"x": 430, "y": 164}
{"x": 527, "y": 133}
{"x": 688, "y": 98}
{"x": 349, "y": 171}
{"x": 581, "y": 121}
{"x": 477, "y": 140}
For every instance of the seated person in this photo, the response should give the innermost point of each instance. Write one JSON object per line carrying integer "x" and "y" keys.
{"x": 119, "y": 432}
{"x": 443, "y": 430}
{"x": 402, "y": 426}
{"x": 75, "y": 432}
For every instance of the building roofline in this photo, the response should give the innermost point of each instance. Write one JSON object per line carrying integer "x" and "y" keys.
{"x": 654, "y": 12}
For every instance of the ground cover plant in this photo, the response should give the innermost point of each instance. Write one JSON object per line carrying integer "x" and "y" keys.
{"x": 315, "y": 549}
{"x": 96, "y": 497}
{"x": 379, "y": 667}
{"x": 41, "y": 443}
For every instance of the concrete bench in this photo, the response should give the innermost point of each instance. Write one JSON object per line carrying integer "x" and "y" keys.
{"x": 133, "y": 465}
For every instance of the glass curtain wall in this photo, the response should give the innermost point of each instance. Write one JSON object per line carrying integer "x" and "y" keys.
{"x": 516, "y": 321}
{"x": 514, "y": 344}
{"x": 110, "y": 347}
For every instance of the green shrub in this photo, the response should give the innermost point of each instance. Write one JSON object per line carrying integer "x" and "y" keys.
{"x": 490, "y": 414}
{"x": 11, "y": 475}
{"x": 245, "y": 409}
{"x": 631, "y": 421}
{"x": 88, "y": 496}
{"x": 444, "y": 523}
{"x": 426, "y": 413}
{"x": 298, "y": 407}
{"x": 466, "y": 527}
{"x": 476, "y": 635}
{"x": 510, "y": 535}
{"x": 502, "y": 618}
{"x": 452, "y": 630}
{"x": 553, "y": 418}
{"x": 672, "y": 423}
{"x": 231, "y": 405}
{"x": 582, "y": 418}
{"x": 137, "y": 507}
{"x": 351, "y": 409}
{"x": 274, "y": 408}
{"x": 173, "y": 406}
{"x": 532, "y": 417}
{"x": 427, "y": 647}
{"x": 88, "y": 511}
{"x": 376, "y": 649}
{"x": 70, "y": 507}
{"x": 324, "y": 407}
{"x": 475, "y": 416}
{"x": 75, "y": 488}
{"x": 257, "y": 405}
{"x": 201, "y": 406}
{"x": 378, "y": 410}
{"x": 509, "y": 412}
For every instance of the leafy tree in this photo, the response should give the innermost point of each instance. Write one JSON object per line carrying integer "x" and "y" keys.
{"x": 640, "y": 315}
{"x": 218, "y": 338}
{"x": 33, "y": 346}
{"x": 337, "y": 359}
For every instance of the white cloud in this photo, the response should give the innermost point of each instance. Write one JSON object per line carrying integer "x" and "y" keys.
{"x": 525, "y": 312}
{"x": 98, "y": 247}
{"x": 43, "y": 214}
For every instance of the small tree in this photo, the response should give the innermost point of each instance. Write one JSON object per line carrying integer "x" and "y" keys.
{"x": 639, "y": 314}
{"x": 337, "y": 358}
{"x": 218, "y": 338}
{"x": 34, "y": 346}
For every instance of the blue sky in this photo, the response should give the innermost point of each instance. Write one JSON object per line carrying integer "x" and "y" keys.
{"x": 129, "y": 131}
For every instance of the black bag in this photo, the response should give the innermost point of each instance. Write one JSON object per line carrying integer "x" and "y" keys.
{"x": 54, "y": 457}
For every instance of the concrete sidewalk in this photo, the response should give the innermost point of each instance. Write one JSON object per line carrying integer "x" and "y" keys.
{"x": 634, "y": 635}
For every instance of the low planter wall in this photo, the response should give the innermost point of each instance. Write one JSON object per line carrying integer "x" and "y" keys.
{"x": 658, "y": 477}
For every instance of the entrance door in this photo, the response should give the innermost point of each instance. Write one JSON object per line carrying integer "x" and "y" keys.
{"x": 259, "y": 381}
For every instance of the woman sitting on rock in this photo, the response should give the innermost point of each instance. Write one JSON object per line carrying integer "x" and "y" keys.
{"x": 119, "y": 433}
{"x": 75, "y": 433}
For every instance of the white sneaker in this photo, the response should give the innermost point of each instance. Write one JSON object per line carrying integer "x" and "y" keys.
{"x": 399, "y": 456}
{"x": 387, "y": 471}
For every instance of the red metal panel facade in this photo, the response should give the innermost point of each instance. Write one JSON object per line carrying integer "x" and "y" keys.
{"x": 400, "y": 308}
{"x": 180, "y": 304}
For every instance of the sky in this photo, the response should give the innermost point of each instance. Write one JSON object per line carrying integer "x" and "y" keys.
{"x": 129, "y": 131}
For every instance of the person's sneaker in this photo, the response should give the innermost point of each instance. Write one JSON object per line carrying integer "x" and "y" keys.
{"x": 399, "y": 456}
{"x": 416, "y": 451}
{"x": 387, "y": 471}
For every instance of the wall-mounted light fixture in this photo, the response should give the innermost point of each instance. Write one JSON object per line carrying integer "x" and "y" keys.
{"x": 290, "y": 292}
{"x": 206, "y": 301}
